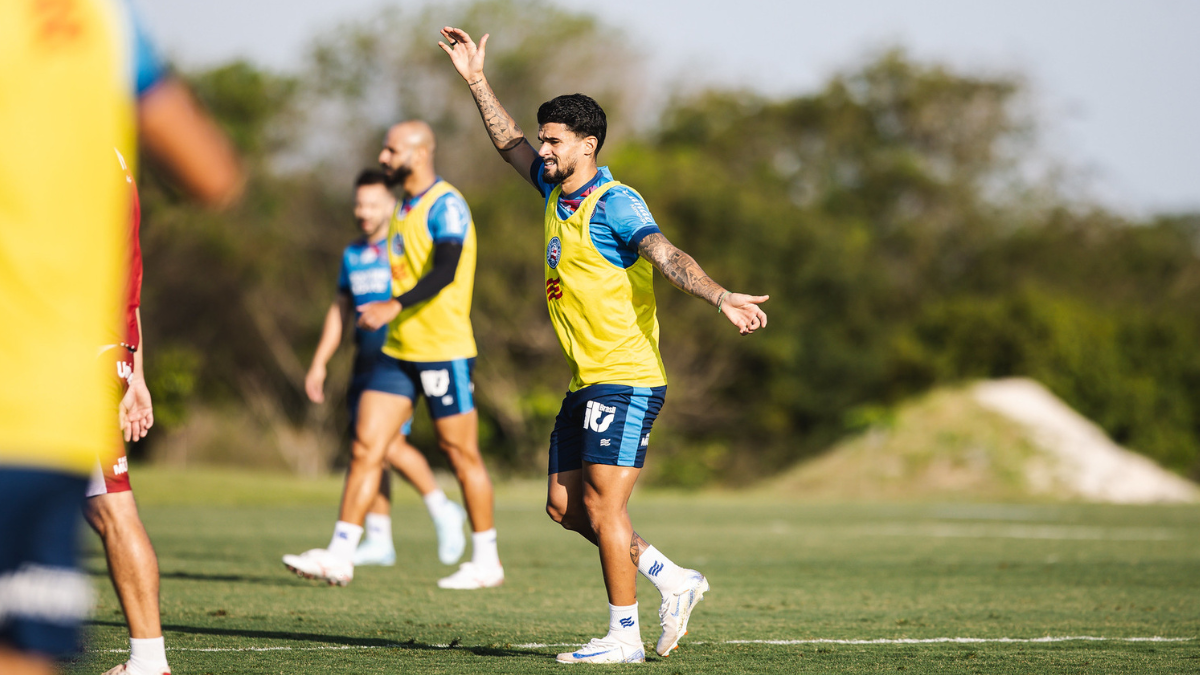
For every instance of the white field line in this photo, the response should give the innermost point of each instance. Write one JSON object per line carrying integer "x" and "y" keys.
{"x": 814, "y": 641}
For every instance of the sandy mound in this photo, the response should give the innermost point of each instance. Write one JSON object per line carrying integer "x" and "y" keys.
{"x": 1007, "y": 440}
{"x": 1085, "y": 462}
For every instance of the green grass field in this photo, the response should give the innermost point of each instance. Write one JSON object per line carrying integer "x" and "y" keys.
{"x": 780, "y": 571}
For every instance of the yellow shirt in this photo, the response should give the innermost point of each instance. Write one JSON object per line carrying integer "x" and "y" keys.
{"x": 604, "y": 315}
{"x": 438, "y": 329}
{"x": 65, "y": 104}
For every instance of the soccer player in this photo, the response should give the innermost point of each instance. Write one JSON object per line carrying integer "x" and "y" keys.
{"x": 366, "y": 276}
{"x": 602, "y": 246}
{"x": 430, "y": 352}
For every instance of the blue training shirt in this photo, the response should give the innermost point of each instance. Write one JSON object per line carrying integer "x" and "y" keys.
{"x": 449, "y": 217}
{"x": 366, "y": 276}
{"x": 148, "y": 67}
{"x": 619, "y": 223}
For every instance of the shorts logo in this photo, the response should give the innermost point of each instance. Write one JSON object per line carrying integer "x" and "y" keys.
{"x": 398, "y": 244}
{"x": 655, "y": 568}
{"x": 553, "y": 289}
{"x": 122, "y": 466}
{"x": 553, "y": 252}
{"x": 435, "y": 382}
{"x": 605, "y": 442}
{"x": 627, "y": 622}
{"x": 645, "y": 440}
{"x": 124, "y": 370}
{"x": 592, "y": 418}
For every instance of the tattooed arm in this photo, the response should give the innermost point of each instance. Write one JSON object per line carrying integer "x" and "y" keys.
{"x": 508, "y": 138}
{"x": 684, "y": 272}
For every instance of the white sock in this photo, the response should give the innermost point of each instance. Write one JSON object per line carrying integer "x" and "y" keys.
{"x": 666, "y": 576}
{"x": 147, "y": 656}
{"x": 435, "y": 501}
{"x": 483, "y": 548}
{"x": 623, "y": 624}
{"x": 379, "y": 527}
{"x": 345, "y": 539}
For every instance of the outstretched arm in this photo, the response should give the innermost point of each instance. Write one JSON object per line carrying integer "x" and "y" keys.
{"x": 684, "y": 272}
{"x": 508, "y": 138}
{"x": 331, "y": 337}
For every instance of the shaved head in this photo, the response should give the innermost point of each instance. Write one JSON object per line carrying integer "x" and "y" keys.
{"x": 407, "y": 148}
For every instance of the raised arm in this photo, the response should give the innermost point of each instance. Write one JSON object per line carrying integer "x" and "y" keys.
{"x": 684, "y": 272}
{"x": 508, "y": 138}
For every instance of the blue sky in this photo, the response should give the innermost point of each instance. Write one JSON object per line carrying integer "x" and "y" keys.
{"x": 1117, "y": 83}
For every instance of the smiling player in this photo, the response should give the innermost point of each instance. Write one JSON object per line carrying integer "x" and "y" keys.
{"x": 602, "y": 246}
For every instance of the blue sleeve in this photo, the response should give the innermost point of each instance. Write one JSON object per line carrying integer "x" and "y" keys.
{"x": 628, "y": 218}
{"x": 448, "y": 220}
{"x": 149, "y": 68}
{"x": 344, "y": 277}
{"x": 535, "y": 175}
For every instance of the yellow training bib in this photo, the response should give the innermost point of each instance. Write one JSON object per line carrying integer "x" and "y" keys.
{"x": 65, "y": 104}
{"x": 438, "y": 329}
{"x": 604, "y": 315}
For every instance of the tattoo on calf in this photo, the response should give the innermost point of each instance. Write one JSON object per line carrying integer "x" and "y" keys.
{"x": 637, "y": 546}
{"x": 679, "y": 268}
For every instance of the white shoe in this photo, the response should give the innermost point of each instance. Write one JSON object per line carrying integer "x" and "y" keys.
{"x": 449, "y": 525}
{"x": 606, "y": 650}
{"x": 319, "y": 563}
{"x": 471, "y": 576}
{"x": 677, "y": 608}
{"x": 375, "y": 552}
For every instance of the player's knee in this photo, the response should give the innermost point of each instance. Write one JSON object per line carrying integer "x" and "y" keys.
{"x": 556, "y": 513}
{"x": 109, "y": 514}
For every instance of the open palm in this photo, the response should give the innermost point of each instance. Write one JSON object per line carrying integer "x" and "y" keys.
{"x": 466, "y": 56}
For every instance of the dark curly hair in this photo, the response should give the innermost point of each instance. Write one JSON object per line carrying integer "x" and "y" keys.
{"x": 371, "y": 177}
{"x": 579, "y": 112}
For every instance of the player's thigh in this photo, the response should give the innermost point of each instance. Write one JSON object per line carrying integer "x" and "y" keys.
{"x": 606, "y": 488}
{"x": 458, "y": 435}
{"x": 380, "y": 418}
{"x": 564, "y": 494}
{"x": 110, "y": 510}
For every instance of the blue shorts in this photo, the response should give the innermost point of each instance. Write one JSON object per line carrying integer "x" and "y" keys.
{"x": 43, "y": 596}
{"x": 447, "y": 385}
{"x": 604, "y": 424}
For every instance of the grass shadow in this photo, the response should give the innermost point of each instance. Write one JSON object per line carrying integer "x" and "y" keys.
{"x": 343, "y": 640}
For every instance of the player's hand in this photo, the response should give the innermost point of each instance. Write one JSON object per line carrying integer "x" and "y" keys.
{"x": 376, "y": 315}
{"x": 466, "y": 56}
{"x": 742, "y": 311}
{"x": 314, "y": 383}
{"x": 136, "y": 411}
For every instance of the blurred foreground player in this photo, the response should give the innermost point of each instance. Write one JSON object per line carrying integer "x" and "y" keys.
{"x": 602, "y": 246}
{"x": 177, "y": 131}
{"x": 366, "y": 276}
{"x": 430, "y": 352}
{"x": 64, "y": 78}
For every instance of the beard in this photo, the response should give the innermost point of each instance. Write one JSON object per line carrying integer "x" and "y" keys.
{"x": 396, "y": 176}
{"x": 558, "y": 174}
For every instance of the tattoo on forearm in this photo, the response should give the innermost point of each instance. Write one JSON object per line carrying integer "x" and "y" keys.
{"x": 503, "y": 129}
{"x": 679, "y": 268}
{"x": 637, "y": 546}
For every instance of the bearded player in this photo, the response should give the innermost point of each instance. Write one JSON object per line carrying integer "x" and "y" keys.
{"x": 602, "y": 246}
{"x": 430, "y": 352}
{"x": 366, "y": 277}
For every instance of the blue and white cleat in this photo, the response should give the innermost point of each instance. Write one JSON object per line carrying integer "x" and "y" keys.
{"x": 449, "y": 525}
{"x": 677, "y": 608}
{"x": 375, "y": 552}
{"x": 606, "y": 650}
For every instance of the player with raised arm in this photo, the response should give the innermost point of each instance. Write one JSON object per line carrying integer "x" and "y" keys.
{"x": 602, "y": 246}
{"x": 430, "y": 352}
{"x": 366, "y": 276}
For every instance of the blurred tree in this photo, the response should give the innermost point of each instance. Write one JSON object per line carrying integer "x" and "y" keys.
{"x": 891, "y": 215}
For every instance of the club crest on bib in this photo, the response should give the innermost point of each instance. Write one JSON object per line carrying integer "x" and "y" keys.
{"x": 553, "y": 252}
{"x": 398, "y": 244}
